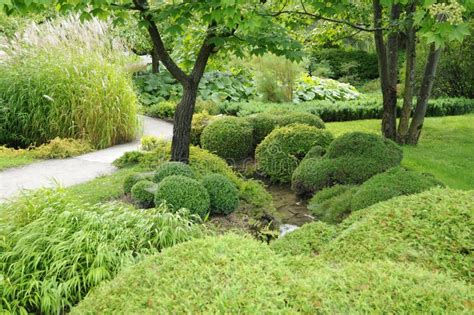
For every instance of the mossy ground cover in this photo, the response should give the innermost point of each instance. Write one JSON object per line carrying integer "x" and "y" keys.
{"x": 233, "y": 274}
{"x": 446, "y": 147}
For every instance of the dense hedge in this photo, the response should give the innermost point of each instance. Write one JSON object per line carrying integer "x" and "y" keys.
{"x": 179, "y": 191}
{"x": 228, "y": 137}
{"x": 237, "y": 275}
{"x": 333, "y": 204}
{"x": 280, "y": 152}
{"x": 368, "y": 107}
{"x": 350, "y": 159}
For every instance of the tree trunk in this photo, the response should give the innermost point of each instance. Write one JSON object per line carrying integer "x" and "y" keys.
{"x": 425, "y": 92}
{"x": 182, "y": 124}
{"x": 388, "y": 70}
{"x": 409, "y": 79}
{"x": 155, "y": 61}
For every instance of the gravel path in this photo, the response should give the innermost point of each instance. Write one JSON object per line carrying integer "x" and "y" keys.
{"x": 79, "y": 169}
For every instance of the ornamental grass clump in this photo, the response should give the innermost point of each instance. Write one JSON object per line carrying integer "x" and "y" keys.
{"x": 50, "y": 262}
{"x": 64, "y": 79}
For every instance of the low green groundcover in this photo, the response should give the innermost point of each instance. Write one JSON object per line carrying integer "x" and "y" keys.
{"x": 233, "y": 274}
{"x": 433, "y": 229}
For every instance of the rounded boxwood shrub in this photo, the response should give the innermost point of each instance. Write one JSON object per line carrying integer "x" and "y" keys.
{"x": 224, "y": 196}
{"x": 228, "y": 137}
{"x": 350, "y": 159}
{"x": 274, "y": 284}
{"x": 392, "y": 183}
{"x": 132, "y": 179}
{"x": 172, "y": 168}
{"x": 289, "y": 118}
{"x": 262, "y": 124}
{"x": 366, "y": 145}
{"x": 333, "y": 204}
{"x": 199, "y": 122}
{"x": 183, "y": 192}
{"x": 280, "y": 152}
{"x": 143, "y": 193}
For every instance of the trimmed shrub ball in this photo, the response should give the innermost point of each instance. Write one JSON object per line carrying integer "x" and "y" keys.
{"x": 223, "y": 194}
{"x": 280, "y": 152}
{"x": 371, "y": 146}
{"x": 199, "y": 122}
{"x": 333, "y": 204}
{"x": 143, "y": 193}
{"x": 228, "y": 137}
{"x": 132, "y": 179}
{"x": 262, "y": 124}
{"x": 183, "y": 192}
{"x": 350, "y": 159}
{"x": 172, "y": 168}
{"x": 392, "y": 183}
{"x": 289, "y": 118}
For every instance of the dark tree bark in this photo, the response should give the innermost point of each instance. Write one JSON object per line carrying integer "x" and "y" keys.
{"x": 424, "y": 95}
{"x": 409, "y": 78}
{"x": 182, "y": 125}
{"x": 388, "y": 59}
{"x": 155, "y": 61}
{"x": 185, "y": 109}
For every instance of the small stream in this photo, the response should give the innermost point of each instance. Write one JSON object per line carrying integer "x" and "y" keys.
{"x": 291, "y": 208}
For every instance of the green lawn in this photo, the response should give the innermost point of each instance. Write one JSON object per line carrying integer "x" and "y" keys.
{"x": 104, "y": 188}
{"x": 8, "y": 161}
{"x": 446, "y": 148}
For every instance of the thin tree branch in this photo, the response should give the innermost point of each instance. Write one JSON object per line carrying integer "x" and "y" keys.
{"x": 165, "y": 58}
{"x": 315, "y": 16}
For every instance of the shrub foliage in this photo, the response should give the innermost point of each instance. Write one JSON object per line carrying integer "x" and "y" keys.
{"x": 179, "y": 191}
{"x": 228, "y": 137}
{"x": 350, "y": 159}
{"x": 224, "y": 196}
{"x": 239, "y": 275}
{"x": 143, "y": 193}
{"x": 280, "y": 152}
{"x": 172, "y": 168}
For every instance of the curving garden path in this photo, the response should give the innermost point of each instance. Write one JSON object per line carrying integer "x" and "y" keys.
{"x": 79, "y": 169}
